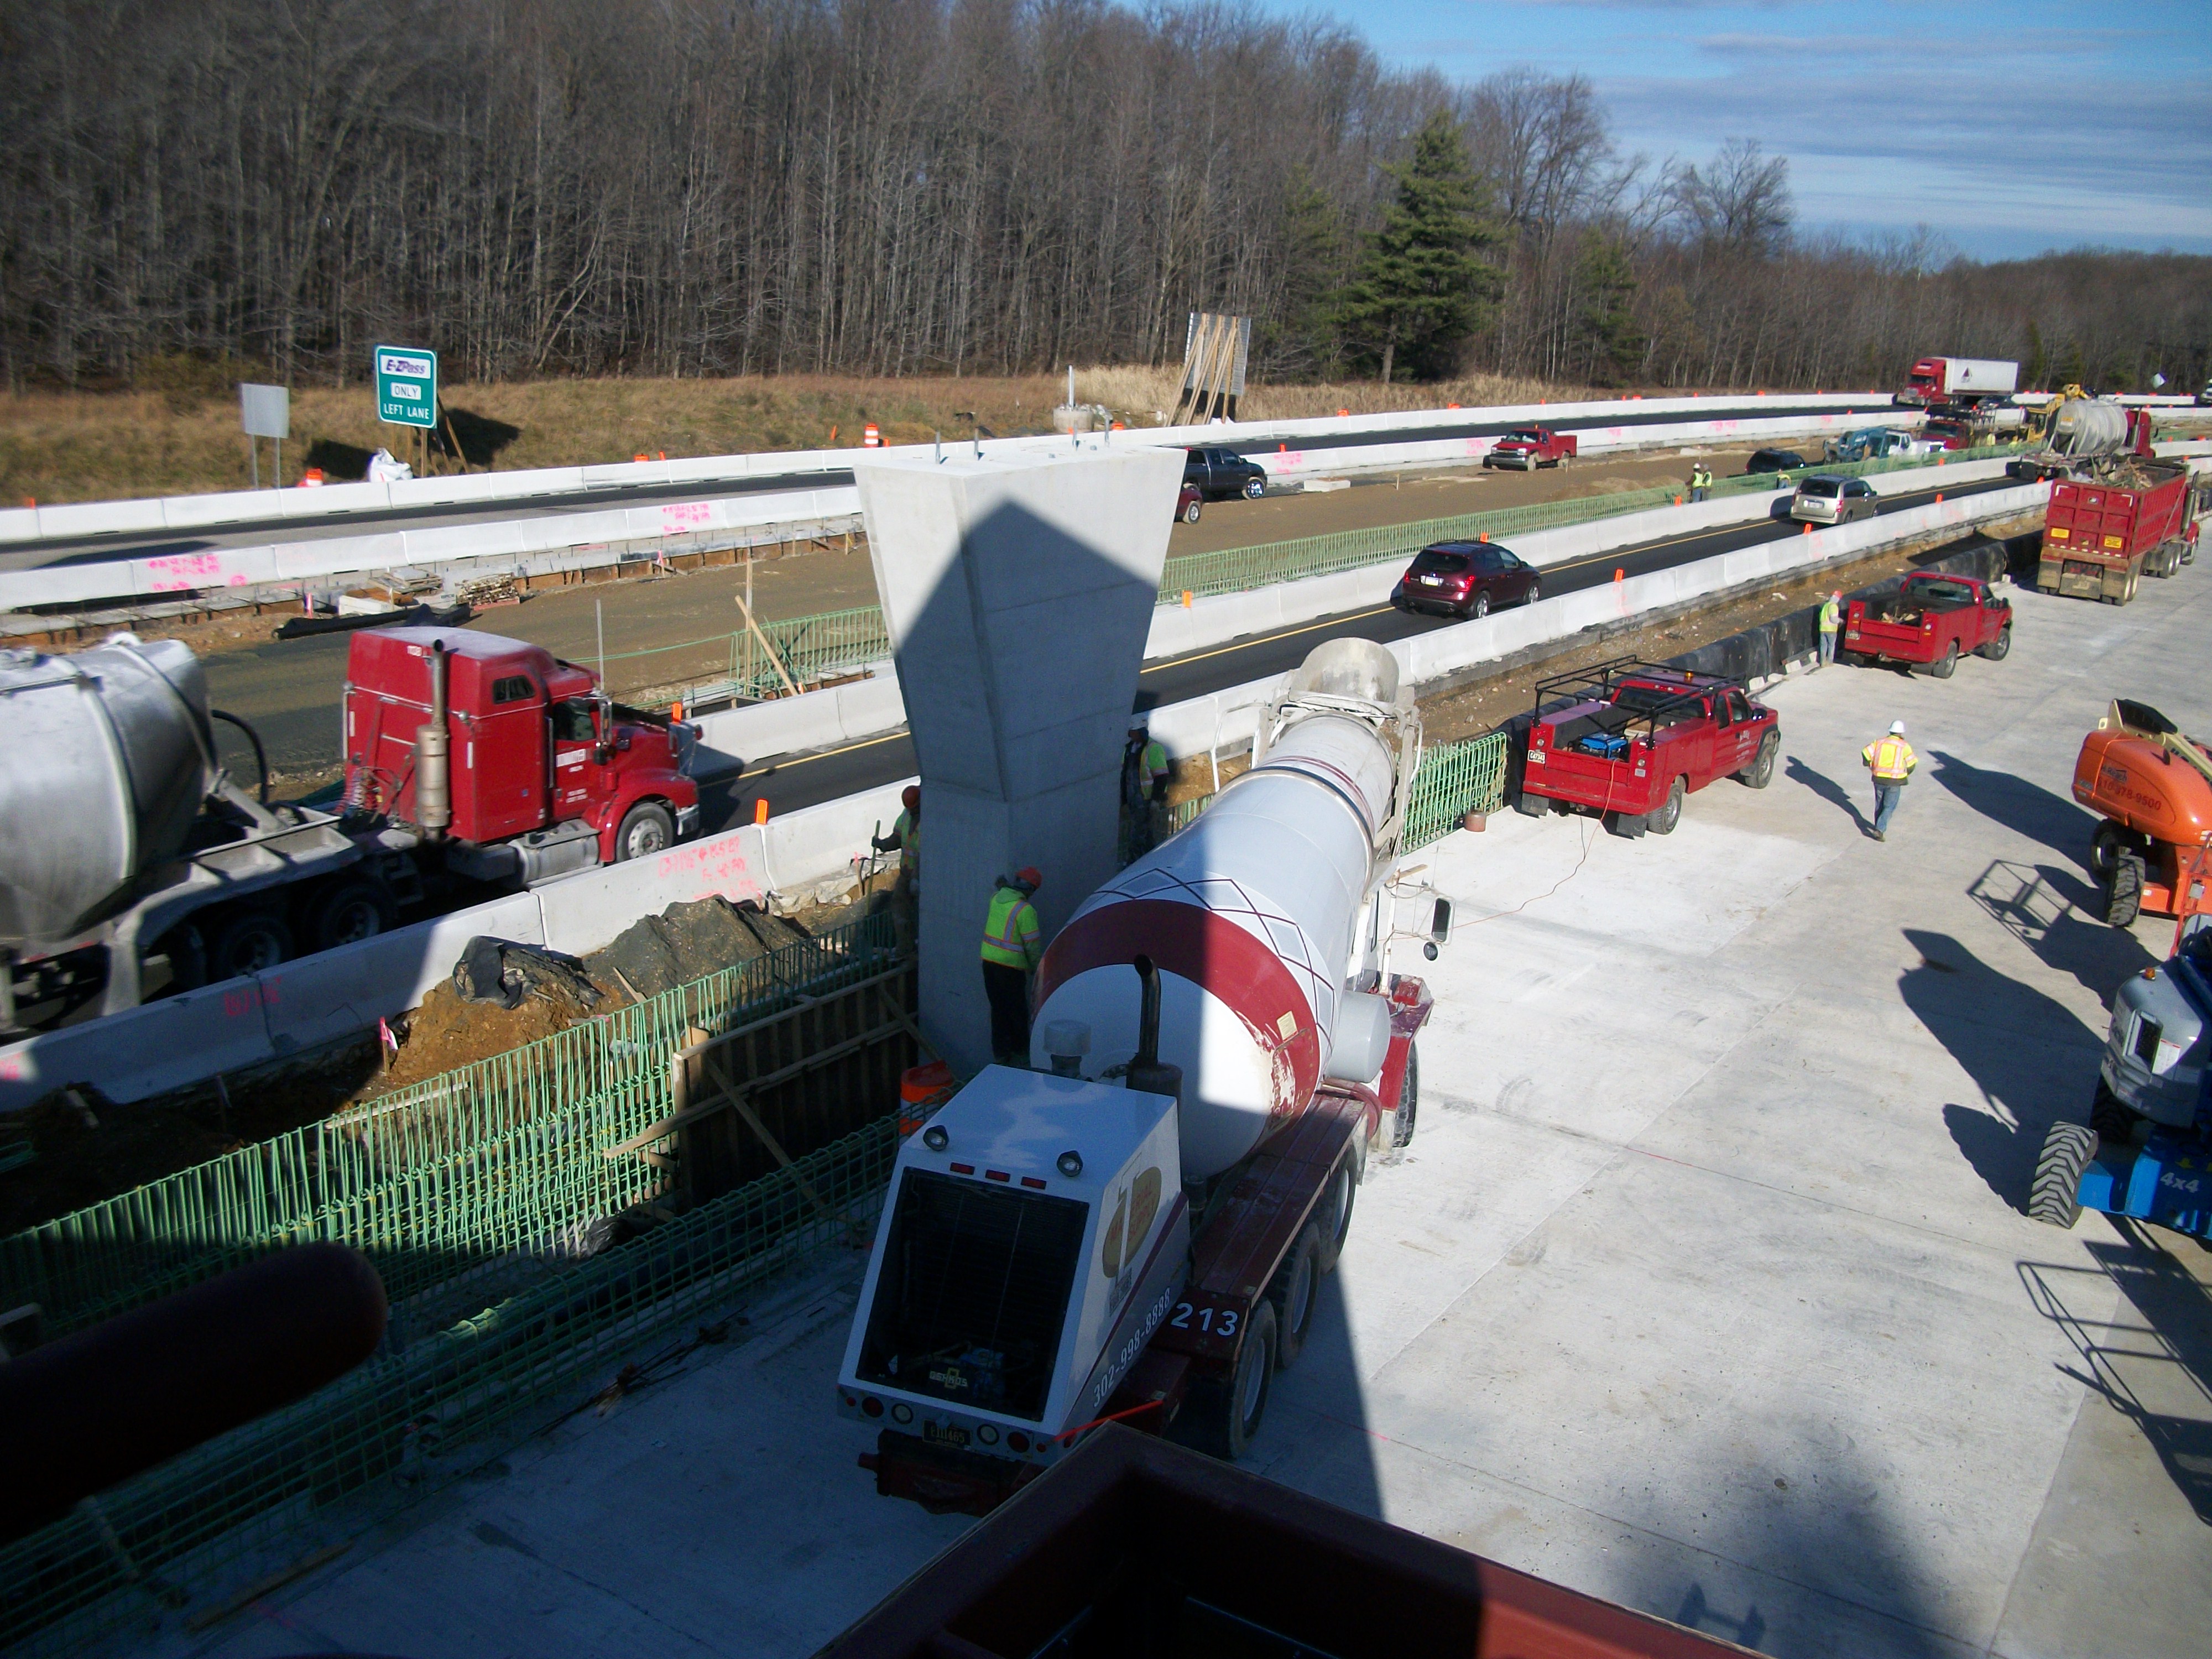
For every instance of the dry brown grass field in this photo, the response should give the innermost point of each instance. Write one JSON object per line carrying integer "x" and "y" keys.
{"x": 176, "y": 432}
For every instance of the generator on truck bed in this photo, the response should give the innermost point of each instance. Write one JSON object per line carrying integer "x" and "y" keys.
{"x": 1931, "y": 621}
{"x": 1628, "y": 740}
{"x": 133, "y": 864}
{"x": 1135, "y": 1229}
{"x": 2146, "y": 1149}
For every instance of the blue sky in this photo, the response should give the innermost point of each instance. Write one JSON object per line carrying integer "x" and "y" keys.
{"x": 2010, "y": 128}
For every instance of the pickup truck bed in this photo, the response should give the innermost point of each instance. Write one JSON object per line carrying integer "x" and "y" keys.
{"x": 1629, "y": 741}
{"x": 1929, "y": 623}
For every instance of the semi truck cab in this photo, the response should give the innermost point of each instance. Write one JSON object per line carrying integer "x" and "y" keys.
{"x": 544, "y": 773}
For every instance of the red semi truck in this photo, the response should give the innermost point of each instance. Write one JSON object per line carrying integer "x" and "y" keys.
{"x": 1627, "y": 740}
{"x": 139, "y": 866}
{"x": 1964, "y": 380}
{"x": 1929, "y": 623}
{"x": 1532, "y": 447}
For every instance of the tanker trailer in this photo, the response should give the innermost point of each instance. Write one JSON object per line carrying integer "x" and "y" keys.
{"x": 118, "y": 823}
{"x": 1135, "y": 1228}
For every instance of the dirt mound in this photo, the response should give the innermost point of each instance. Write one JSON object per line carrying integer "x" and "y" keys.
{"x": 447, "y": 1032}
{"x": 687, "y": 942}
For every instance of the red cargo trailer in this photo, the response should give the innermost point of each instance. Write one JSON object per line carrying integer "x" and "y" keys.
{"x": 2101, "y": 535}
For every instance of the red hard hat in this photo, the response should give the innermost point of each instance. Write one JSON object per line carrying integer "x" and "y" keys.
{"x": 911, "y": 797}
{"x": 1030, "y": 875}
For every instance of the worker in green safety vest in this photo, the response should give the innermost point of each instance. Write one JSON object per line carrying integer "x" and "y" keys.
{"x": 1144, "y": 790}
{"x": 1831, "y": 620}
{"x": 1013, "y": 945}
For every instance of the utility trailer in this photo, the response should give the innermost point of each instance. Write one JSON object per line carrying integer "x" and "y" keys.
{"x": 1136, "y": 1228}
{"x": 1929, "y": 623}
{"x": 2103, "y": 533}
{"x": 1627, "y": 740}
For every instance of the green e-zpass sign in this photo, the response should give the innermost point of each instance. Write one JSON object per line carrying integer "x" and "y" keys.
{"x": 406, "y": 385}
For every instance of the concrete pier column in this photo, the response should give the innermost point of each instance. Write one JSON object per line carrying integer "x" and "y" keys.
{"x": 1018, "y": 591}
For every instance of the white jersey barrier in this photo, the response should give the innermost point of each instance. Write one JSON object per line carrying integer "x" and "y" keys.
{"x": 549, "y": 487}
{"x": 186, "y": 1039}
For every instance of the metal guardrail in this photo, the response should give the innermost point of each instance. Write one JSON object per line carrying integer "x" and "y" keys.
{"x": 835, "y": 643}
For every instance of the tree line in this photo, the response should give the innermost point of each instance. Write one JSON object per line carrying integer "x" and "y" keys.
{"x": 708, "y": 187}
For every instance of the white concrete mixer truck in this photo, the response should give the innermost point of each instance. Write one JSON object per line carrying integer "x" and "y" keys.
{"x": 1135, "y": 1228}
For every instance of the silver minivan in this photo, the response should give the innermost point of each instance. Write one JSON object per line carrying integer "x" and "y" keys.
{"x": 1827, "y": 500}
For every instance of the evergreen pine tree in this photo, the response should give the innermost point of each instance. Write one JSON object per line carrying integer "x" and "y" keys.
{"x": 1423, "y": 286}
{"x": 1304, "y": 338}
{"x": 2039, "y": 359}
{"x": 1605, "y": 332}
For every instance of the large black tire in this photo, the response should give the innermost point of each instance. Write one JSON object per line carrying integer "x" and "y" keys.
{"x": 247, "y": 941}
{"x": 1336, "y": 1211}
{"x": 1663, "y": 822}
{"x": 1947, "y": 665}
{"x": 2111, "y": 1118}
{"x": 1760, "y": 772}
{"x": 1409, "y": 1099}
{"x": 1221, "y": 1415}
{"x": 2124, "y": 893}
{"x": 1998, "y": 648}
{"x": 2105, "y": 847}
{"x": 348, "y": 911}
{"x": 1295, "y": 1293}
{"x": 647, "y": 829}
{"x": 2055, "y": 1197}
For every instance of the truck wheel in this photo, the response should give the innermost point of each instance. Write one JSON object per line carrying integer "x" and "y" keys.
{"x": 1998, "y": 648}
{"x": 1336, "y": 1209}
{"x": 1760, "y": 772}
{"x": 2124, "y": 897}
{"x": 2111, "y": 1118}
{"x": 646, "y": 829}
{"x": 1254, "y": 488}
{"x": 2055, "y": 1197}
{"x": 1663, "y": 822}
{"x": 1222, "y": 1415}
{"x": 248, "y": 942}
{"x": 1947, "y": 665}
{"x": 1409, "y": 1105}
{"x": 1295, "y": 1293}
{"x": 348, "y": 912}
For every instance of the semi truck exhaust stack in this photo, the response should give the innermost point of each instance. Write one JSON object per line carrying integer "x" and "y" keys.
{"x": 1146, "y": 1073}
{"x": 434, "y": 752}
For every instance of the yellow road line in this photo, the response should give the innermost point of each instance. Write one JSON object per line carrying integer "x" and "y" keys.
{"x": 827, "y": 754}
{"x": 1265, "y": 639}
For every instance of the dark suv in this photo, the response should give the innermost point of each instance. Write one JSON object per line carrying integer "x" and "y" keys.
{"x": 1466, "y": 578}
{"x": 1219, "y": 473}
{"x": 1774, "y": 461}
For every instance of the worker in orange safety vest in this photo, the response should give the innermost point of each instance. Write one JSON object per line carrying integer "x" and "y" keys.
{"x": 1891, "y": 760}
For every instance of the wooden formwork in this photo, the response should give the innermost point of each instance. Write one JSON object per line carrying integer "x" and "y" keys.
{"x": 747, "y": 1102}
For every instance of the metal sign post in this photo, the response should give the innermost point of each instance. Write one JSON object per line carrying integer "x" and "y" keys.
{"x": 407, "y": 391}
{"x": 266, "y": 411}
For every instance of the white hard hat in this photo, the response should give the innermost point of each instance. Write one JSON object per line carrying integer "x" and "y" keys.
{"x": 1140, "y": 722}
{"x": 1897, "y": 728}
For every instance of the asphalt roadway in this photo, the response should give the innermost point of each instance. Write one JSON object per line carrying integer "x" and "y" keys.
{"x": 1475, "y": 423}
{"x": 791, "y": 782}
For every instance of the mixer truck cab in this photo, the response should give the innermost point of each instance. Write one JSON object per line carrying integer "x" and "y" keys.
{"x": 542, "y": 773}
{"x": 1137, "y": 1229}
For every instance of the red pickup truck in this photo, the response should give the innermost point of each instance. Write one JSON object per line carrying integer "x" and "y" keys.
{"x": 1931, "y": 622}
{"x": 1532, "y": 447}
{"x": 1628, "y": 740}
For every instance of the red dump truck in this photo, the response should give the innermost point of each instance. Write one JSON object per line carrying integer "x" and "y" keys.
{"x": 1931, "y": 622}
{"x": 1627, "y": 740}
{"x": 1532, "y": 447}
{"x": 2103, "y": 533}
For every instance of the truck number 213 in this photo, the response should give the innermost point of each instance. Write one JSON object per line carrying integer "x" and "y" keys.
{"x": 1221, "y": 1321}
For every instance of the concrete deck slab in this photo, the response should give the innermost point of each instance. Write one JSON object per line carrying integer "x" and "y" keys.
{"x": 1704, "y": 1286}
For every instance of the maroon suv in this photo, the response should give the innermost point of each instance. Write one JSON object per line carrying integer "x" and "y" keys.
{"x": 1466, "y": 578}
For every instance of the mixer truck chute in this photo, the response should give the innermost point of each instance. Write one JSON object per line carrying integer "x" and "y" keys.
{"x": 1137, "y": 1227}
